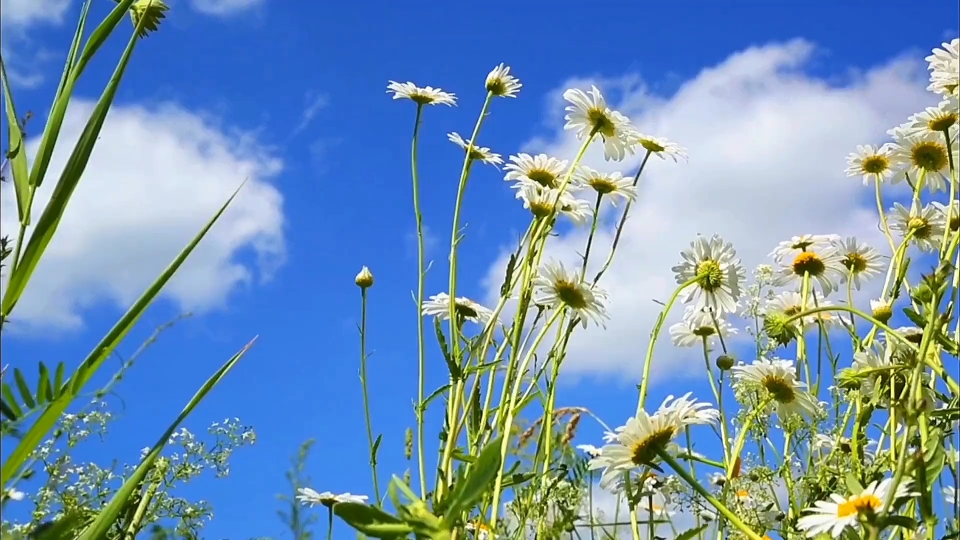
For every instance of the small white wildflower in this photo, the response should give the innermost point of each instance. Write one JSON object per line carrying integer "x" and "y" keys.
{"x": 501, "y": 83}
{"x": 422, "y": 96}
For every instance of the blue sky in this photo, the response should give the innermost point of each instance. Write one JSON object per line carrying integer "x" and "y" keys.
{"x": 768, "y": 98}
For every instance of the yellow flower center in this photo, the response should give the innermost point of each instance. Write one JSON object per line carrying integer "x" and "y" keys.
{"x": 920, "y": 227}
{"x": 855, "y": 263}
{"x": 541, "y": 209}
{"x": 808, "y": 262}
{"x": 710, "y": 274}
{"x": 943, "y": 121}
{"x": 930, "y": 156}
{"x": 644, "y": 451}
{"x": 875, "y": 164}
{"x": 544, "y": 178}
{"x": 497, "y": 87}
{"x": 743, "y": 494}
{"x": 704, "y": 331}
{"x": 601, "y": 122}
{"x": 781, "y": 390}
{"x": 859, "y": 504}
{"x": 602, "y": 185}
{"x": 652, "y": 146}
{"x": 421, "y": 98}
{"x": 570, "y": 294}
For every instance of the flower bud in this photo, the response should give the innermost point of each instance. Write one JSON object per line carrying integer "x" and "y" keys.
{"x": 725, "y": 362}
{"x": 364, "y": 279}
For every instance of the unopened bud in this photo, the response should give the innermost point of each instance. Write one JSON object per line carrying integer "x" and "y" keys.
{"x": 725, "y": 362}
{"x": 364, "y": 279}
{"x": 882, "y": 311}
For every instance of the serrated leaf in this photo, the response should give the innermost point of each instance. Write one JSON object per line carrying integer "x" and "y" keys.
{"x": 455, "y": 372}
{"x": 24, "y": 388}
{"x": 469, "y": 491}
{"x": 434, "y": 395}
{"x": 371, "y": 520}
{"x": 692, "y": 533}
{"x": 914, "y": 317}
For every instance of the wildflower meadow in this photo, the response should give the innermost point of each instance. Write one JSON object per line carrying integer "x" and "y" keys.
{"x": 826, "y": 417}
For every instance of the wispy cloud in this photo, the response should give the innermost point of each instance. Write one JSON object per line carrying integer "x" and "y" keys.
{"x": 224, "y": 7}
{"x": 315, "y": 101}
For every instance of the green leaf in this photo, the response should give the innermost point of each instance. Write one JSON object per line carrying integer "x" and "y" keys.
{"x": 69, "y": 179}
{"x": 7, "y": 410}
{"x": 95, "y": 359}
{"x": 98, "y": 529}
{"x": 43, "y": 385}
{"x": 905, "y": 522}
{"x": 58, "y": 380}
{"x": 853, "y": 484}
{"x": 371, "y": 520}
{"x": 17, "y": 153}
{"x": 435, "y": 394}
{"x": 10, "y": 401}
{"x": 469, "y": 491}
{"x": 456, "y": 373}
{"x": 65, "y": 527}
{"x": 24, "y": 388}
{"x": 691, "y": 533}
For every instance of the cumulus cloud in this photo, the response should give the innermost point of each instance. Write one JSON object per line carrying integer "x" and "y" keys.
{"x": 767, "y": 144}
{"x": 156, "y": 176}
{"x": 26, "y": 12}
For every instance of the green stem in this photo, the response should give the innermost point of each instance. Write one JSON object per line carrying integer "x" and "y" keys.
{"x": 330, "y": 523}
{"x": 692, "y": 482}
{"x": 366, "y": 396}
{"x": 421, "y": 351}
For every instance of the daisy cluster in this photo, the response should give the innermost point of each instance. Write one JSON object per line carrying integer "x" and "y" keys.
{"x": 816, "y": 439}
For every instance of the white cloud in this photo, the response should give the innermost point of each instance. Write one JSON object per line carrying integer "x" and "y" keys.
{"x": 767, "y": 145}
{"x": 155, "y": 177}
{"x": 314, "y": 103}
{"x": 224, "y": 7}
{"x": 26, "y": 12}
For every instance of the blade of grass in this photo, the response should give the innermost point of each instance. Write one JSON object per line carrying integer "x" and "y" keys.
{"x": 105, "y": 519}
{"x": 95, "y": 359}
{"x": 69, "y": 179}
{"x": 59, "y": 109}
{"x": 17, "y": 154}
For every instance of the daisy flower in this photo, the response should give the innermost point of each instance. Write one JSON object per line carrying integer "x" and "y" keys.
{"x": 925, "y": 223}
{"x": 542, "y": 202}
{"x": 638, "y": 442}
{"x": 881, "y": 310}
{"x": 836, "y": 514}
{"x": 480, "y": 153}
{"x": 951, "y": 214}
{"x": 696, "y": 325}
{"x": 860, "y": 260}
{"x": 422, "y": 96}
{"x": 479, "y": 530}
{"x": 944, "y": 68}
{"x": 922, "y": 153}
{"x": 613, "y": 185}
{"x": 557, "y": 287}
{"x": 814, "y": 256}
{"x": 588, "y": 114}
{"x": 501, "y": 83}
{"x": 779, "y": 379}
{"x": 720, "y": 274}
{"x": 540, "y": 169}
{"x": 780, "y": 308}
{"x": 660, "y": 147}
{"x": 310, "y": 497}
{"x": 935, "y": 120}
{"x": 872, "y": 163}
{"x": 717, "y": 479}
{"x": 438, "y": 306}
{"x": 789, "y": 249}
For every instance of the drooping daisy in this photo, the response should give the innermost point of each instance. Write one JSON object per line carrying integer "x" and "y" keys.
{"x": 945, "y": 117}
{"x": 661, "y": 147}
{"x": 696, "y": 325}
{"x": 638, "y": 442}
{"x": 588, "y": 114}
{"x": 819, "y": 260}
{"x": 543, "y": 201}
{"x": 860, "y": 260}
{"x": 925, "y": 223}
{"x": 720, "y": 274}
{"x": 779, "y": 379}
{"x": 881, "y": 310}
{"x": 922, "y": 153}
{"x": 310, "y": 497}
{"x": 501, "y": 83}
{"x": 541, "y": 169}
{"x": 838, "y": 513}
{"x": 779, "y": 309}
{"x": 422, "y": 96}
{"x": 438, "y": 306}
{"x": 951, "y": 214}
{"x": 944, "y": 68}
{"x": 479, "y": 153}
{"x": 558, "y": 287}
{"x": 613, "y": 185}
{"x": 872, "y": 163}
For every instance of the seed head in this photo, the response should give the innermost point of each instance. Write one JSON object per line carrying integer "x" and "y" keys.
{"x": 364, "y": 279}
